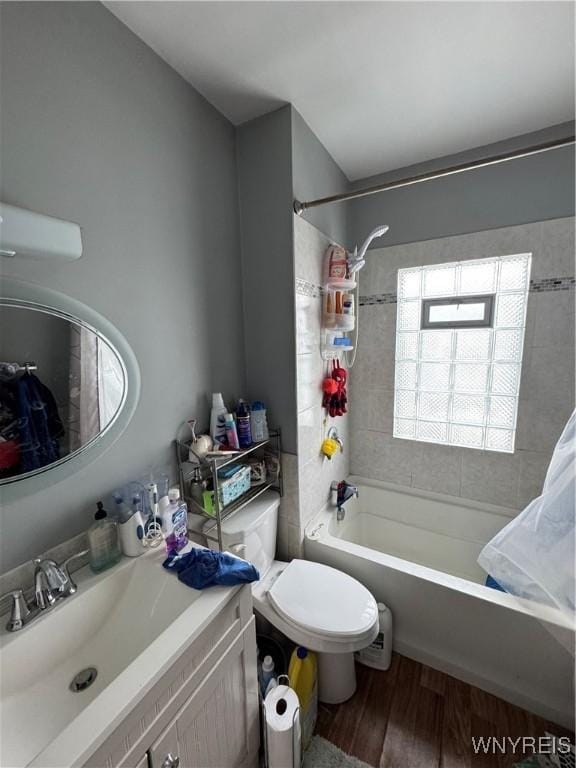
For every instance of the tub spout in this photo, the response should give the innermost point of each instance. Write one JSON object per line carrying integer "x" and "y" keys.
{"x": 345, "y": 492}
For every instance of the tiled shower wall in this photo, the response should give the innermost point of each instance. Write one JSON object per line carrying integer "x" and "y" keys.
{"x": 308, "y": 475}
{"x": 547, "y": 383}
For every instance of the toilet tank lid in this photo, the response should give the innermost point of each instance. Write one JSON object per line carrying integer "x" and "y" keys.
{"x": 250, "y": 516}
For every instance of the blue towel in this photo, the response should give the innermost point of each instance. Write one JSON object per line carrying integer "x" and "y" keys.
{"x": 490, "y": 582}
{"x": 39, "y": 424}
{"x": 204, "y": 568}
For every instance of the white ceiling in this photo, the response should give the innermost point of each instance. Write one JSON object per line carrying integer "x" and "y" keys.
{"x": 382, "y": 84}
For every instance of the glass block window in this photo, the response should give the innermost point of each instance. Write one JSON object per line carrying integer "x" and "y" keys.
{"x": 459, "y": 385}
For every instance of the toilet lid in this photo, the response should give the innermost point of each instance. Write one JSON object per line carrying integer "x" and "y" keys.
{"x": 323, "y": 600}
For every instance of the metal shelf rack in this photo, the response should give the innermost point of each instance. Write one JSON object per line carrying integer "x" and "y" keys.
{"x": 209, "y": 468}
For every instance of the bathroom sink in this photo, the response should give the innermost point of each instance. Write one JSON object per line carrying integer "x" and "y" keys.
{"x": 129, "y": 624}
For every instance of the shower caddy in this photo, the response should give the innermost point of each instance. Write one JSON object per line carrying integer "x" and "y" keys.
{"x": 210, "y": 466}
{"x": 337, "y": 325}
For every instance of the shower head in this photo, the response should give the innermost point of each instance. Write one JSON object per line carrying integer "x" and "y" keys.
{"x": 358, "y": 261}
{"x": 378, "y": 232}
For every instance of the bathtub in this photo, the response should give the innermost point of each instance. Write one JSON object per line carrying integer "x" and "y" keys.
{"x": 417, "y": 553}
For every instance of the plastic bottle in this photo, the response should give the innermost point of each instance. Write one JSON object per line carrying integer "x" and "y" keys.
{"x": 218, "y": 421}
{"x": 378, "y": 655}
{"x": 267, "y": 674}
{"x": 303, "y": 674}
{"x": 231, "y": 432}
{"x": 123, "y": 511}
{"x": 103, "y": 540}
{"x": 244, "y": 429}
{"x": 348, "y": 304}
{"x": 258, "y": 423}
{"x": 335, "y": 264}
{"x": 131, "y": 531}
{"x": 175, "y": 522}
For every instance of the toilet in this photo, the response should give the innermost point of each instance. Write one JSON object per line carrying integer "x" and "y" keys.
{"x": 313, "y": 605}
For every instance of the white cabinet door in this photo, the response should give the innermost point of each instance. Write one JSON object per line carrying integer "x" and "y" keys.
{"x": 218, "y": 725}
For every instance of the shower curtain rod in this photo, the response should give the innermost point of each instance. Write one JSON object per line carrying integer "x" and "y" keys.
{"x": 300, "y": 207}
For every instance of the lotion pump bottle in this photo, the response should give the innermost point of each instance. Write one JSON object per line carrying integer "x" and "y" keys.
{"x": 103, "y": 540}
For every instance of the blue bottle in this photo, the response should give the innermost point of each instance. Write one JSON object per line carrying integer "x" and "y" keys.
{"x": 243, "y": 425}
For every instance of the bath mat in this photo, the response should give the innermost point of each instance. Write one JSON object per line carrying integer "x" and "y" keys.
{"x": 324, "y": 754}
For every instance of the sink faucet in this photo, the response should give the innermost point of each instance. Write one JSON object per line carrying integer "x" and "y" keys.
{"x": 52, "y": 582}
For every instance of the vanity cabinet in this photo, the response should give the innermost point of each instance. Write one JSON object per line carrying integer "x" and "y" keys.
{"x": 203, "y": 713}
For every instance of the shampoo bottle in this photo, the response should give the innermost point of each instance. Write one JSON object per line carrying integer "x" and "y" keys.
{"x": 218, "y": 421}
{"x": 103, "y": 541}
{"x": 244, "y": 428}
{"x": 231, "y": 433}
{"x": 258, "y": 423}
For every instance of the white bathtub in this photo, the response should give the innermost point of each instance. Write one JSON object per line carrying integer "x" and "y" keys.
{"x": 417, "y": 553}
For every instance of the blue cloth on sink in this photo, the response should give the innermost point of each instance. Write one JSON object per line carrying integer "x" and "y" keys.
{"x": 202, "y": 568}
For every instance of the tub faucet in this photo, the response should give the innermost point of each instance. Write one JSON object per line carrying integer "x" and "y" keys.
{"x": 345, "y": 491}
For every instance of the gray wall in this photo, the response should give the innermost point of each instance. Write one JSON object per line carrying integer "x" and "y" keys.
{"x": 98, "y": 130}
{"x": 518, "y": 192}
{"x": 547, "y": 380}
{"x": 316, "y": 174}
{"x": 279, "y": 158}
{"x": 265, "y": 193}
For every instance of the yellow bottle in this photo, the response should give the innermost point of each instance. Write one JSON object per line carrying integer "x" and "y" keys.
{"x": 303, "y": 674}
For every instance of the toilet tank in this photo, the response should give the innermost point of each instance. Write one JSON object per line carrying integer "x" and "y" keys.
{"x": 253, "y": 528}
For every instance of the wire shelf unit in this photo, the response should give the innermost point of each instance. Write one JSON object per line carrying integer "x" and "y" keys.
{"x": 210, "y": 466}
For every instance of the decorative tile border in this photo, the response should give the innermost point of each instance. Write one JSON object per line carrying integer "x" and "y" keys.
{"x": 536, "y": 286}
{"x": 305, "y": 288}
{"x": 380, "y": 298}
{"x": 552, "y": 284}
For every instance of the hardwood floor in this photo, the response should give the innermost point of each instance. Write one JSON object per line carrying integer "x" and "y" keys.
{"x": 415, "y": 717}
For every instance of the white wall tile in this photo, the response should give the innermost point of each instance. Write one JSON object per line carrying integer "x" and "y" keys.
{"x": 308, "y": 311}
{"x": 314, "y": 473}
{"x": 310, "y": 373}
{"x": 310, "y": 433}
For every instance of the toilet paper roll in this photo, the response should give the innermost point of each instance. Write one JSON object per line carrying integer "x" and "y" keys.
{"x": 282, "y": 712}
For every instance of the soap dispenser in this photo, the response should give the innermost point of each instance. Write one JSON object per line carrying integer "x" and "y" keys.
{"x": 103, "y": 540}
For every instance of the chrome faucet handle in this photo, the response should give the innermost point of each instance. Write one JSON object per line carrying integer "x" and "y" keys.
{"x": 69, "y": 588}
{"x": 20, "y": 610}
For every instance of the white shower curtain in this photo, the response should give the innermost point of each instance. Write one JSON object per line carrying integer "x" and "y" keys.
{"x": 84, "y": 418}
{"x": 533, "y": 556}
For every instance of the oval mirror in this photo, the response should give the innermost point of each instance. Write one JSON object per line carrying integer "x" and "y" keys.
{"x": 63, "y": 387}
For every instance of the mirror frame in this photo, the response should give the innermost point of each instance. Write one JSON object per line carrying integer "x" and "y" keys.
{"x": 24, "y": 294}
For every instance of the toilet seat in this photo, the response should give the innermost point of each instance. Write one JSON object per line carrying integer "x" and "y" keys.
{"x": 309, "y": 636}
{"x": 323, "y": 601}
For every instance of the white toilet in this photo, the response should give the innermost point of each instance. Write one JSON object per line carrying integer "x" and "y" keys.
{"x": 314, "y": 605}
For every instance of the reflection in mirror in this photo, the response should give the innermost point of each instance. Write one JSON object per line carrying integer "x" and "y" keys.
{"x": 62, "y": 385}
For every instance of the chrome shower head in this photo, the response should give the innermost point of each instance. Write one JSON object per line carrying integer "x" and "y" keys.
{"x": 378, "y": 232}
{"x": 358, "y": 260}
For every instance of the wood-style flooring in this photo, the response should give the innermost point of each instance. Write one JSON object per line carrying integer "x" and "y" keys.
{"x": 413, "y": 716}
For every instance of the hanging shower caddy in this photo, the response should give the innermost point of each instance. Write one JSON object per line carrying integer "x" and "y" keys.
{"x": 339, "y": 302}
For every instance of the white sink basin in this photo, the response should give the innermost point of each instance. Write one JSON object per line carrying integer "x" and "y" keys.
{"x": 130, "y": 623}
